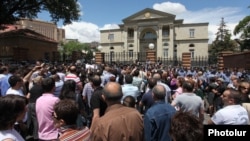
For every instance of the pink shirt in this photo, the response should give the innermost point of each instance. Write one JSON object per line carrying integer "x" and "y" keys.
{"x": 178, "y": 91}
{"x": 44, "y": 110}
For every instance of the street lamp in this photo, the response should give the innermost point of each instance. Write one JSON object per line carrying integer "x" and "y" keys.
{"x": 99, "y": 48}
{"x": 151, "y": 46}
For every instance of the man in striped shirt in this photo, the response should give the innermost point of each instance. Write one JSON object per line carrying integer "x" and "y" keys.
{"x": 72, "y": 75}
{"x": 65, "y": 115}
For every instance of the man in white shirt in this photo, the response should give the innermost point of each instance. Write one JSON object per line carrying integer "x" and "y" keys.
{"x": 16, "y": 84}
{"x": 129, "y": 89}
{"x": 233, "y": 113}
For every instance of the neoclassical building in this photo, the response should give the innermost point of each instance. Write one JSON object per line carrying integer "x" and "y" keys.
{"x": 169, "y": 37}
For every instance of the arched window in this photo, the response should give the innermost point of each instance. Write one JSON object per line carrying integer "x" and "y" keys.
{"x": 149, "y": 35}
{"x": 111, "y": 48}
{"x": 165, "y": 44}
{"x": 191, "y": 45}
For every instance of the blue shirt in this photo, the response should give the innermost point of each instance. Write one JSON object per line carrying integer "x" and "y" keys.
{"x": 157, "y": 121}
{"x": 129, "y": 89}
{"x": 5, "y": 84}
{"x": 147, "y": 100}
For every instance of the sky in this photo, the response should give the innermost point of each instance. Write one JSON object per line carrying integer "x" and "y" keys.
{"x": 108, "y": 14}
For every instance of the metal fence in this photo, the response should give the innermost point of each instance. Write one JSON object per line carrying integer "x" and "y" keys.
{"x": 129, "y": 58}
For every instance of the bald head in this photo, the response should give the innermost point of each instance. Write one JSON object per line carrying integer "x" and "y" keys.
{"x": 157, "y": 76}
{"x": 72, "y": 69}
{"x": 159, "y": 92}
{"x": 112, "y": 92}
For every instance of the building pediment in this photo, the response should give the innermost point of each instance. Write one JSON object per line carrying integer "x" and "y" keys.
{"x": 149, "y": 13}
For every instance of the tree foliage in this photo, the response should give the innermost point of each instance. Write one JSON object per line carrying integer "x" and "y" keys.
{"x": 74, "y": 46}
{"x": 71, "y": 46}
{"x": 13, "y": 10}
{"x": 221, "y": 43}
{"x": 243, "y": 28}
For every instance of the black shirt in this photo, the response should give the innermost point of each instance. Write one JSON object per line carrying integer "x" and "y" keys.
{"x": 97, "y": 101}
{"x": 35, "y": 92}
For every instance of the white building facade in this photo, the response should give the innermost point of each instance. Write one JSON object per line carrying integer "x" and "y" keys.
{"x": 170, "y": 36}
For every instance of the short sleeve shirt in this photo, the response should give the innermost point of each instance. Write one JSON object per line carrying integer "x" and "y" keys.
{"x": 225, "y": 116}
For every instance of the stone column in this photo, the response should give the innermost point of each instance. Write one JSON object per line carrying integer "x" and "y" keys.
{"x": 171, "y": 41}
{"x": 159, "y": 42}
{"x": 136, "y": 40}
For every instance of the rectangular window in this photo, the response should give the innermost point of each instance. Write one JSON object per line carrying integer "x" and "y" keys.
{"x": 130, "y": 33}
{"x": 191, "y": 33}
{"x": 165, "y": 33}
{"x": 112, "y": 54}
{"x": 130, "y": 53}
{"x": 192, "y": 53}
{"x": 165, "y": 52}
{"x": 111, "y": 37}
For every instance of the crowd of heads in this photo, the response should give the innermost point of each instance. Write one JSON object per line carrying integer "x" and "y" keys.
{"x": 237, "y": 90}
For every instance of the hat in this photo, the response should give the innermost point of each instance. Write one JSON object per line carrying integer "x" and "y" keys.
{"x": 220, "y": 79}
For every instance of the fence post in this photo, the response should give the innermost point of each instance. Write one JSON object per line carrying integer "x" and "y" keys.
{"x": 99, "y": 57}
{"x": 186, "y": 60}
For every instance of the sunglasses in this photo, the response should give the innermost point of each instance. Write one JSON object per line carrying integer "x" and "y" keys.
{"x": 242, "y": 87}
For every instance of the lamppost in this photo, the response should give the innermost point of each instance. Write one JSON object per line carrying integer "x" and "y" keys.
{"x": 151, "y": 53}
{"x": 151, "y": 46}
{"x": 99, "y": 48}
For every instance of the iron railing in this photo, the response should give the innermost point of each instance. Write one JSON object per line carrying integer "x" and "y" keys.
{"x": 132, "y": 57}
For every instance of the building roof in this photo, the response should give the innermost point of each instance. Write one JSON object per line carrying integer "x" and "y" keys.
{"x": 143, "y": 13}
{"x": 26, "y": 33}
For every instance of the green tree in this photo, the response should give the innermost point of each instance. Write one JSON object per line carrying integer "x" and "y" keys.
{"x": 243, "y": 28}
{"x": 221, "y": 43}
{"x": 89, "y": 55}
{"x": 71, "y": 46}
{"x": 12, "y": 10}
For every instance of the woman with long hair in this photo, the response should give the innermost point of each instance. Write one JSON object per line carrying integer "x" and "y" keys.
{"x": 68, "y": 90}
{"x": 13, "y": 109}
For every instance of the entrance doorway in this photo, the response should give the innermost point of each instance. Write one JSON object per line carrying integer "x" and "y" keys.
{"x": 147, "y": 37}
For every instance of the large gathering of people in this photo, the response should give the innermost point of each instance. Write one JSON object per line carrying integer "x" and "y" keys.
{"x": 123, "y": 102}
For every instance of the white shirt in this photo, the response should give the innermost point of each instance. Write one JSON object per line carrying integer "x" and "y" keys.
{"x": 15, "y": 92}
{"x": 10, "y": 134}
{"x": 225, "y": 116}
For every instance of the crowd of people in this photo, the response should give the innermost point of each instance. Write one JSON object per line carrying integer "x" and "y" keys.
{"x": 128, "y": 102}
